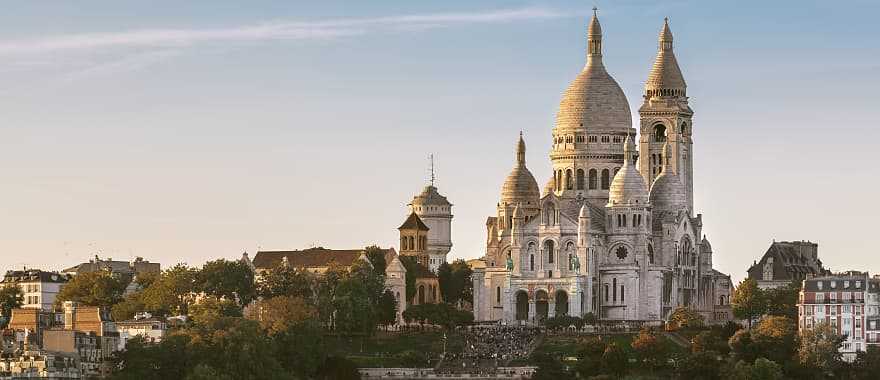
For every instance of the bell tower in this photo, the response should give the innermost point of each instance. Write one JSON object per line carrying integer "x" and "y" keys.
{"x": 666, "y": 117}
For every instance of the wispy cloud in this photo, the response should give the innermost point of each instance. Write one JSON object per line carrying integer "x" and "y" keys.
{"x": 311, "y": 30}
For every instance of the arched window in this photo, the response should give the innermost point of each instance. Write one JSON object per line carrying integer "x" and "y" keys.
{"x": 412, "y": 243}
{"x": 606, "y": 292}
{"x": 721, "y": 300}
{"x": 548, "y": 249}
{"x": 660, "y": 133}
{"x": 549, "y": 214}
{"x": 684, "y": 128}
{"x": 622, "y": 294}
{"x": 532, "y": 262}
{"x": 568, "y": 180}
{"x": 498, "y": 294}
{"x": 593, "y": 179}
{"x": 650, "y": 254}
{"x": 605, "y": 179}
{"x": 403, "y": 243}
{"x": 580, "y": 179}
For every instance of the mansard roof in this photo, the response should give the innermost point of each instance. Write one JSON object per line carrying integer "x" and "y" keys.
{"x": 791, "y": 261}
{"x": 310, "y": 258}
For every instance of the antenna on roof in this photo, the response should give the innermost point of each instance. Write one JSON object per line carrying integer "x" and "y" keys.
{"x": 432, "y": 169}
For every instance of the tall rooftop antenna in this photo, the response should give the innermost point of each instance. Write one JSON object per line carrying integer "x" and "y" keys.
{"x": 432, "y": 170}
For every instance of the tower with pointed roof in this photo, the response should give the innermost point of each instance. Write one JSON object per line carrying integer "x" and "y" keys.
{"x": 435, "y": 211}
{"x": 666, "y": 117}
{"x": 591, "y": 124}
{"x": 414, "y": 239}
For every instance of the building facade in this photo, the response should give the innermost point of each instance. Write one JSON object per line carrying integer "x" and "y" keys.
{"x": 614, "y": 232}
{"x": 846, "y": 301}
{"x": 39, "y": 287}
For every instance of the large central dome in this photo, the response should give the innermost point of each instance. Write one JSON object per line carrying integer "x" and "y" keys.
{"x": 594, "y": 101}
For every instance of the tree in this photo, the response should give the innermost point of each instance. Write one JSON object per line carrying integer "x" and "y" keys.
{"x": 820, "y": 348}
{"x": 237, "y": 348}
{"x": 684, "y": 318}
{"x": 774, "y": 338}
{"x": 232, "y": 280}
{"x": 748, "y": 301}
{"x": 762, "y": 369}
{"x": 281, "y": 313}
{"x": 709, "y": 341}
{"x": 447, "y": 286}
{"x": 125, "y": 310}
{"x": 285, "y": 280}
{"x": 614, "y": 360}
{"x": 867, "y": 364}
{"x": 376, "y": 256}
{"x": 210, "y": 310}
{"x": 743, "y": 347}
{"x": 325, "y": 294}
{"x": 170, "y": 359}
{"x": 11, "y": 297}
{"x": 172, "y": 292}
{"x": 699, "y": 366}
{"x": 461, "y": 276}
{"x": 388, "y": 309}
{"x": 206, "y": 372}
{"x": 782, "y": 301}
{"x": 353, "y": 312}
{"x": 589, "y": 356}
{"x": 338, "y": 368}
{"x": 100, "y": 288}
{"x": 549, "y": 368}
{"x": 302, "y": 349}
{"x": 648, "y": 349}
{"x": 590, "y": 318}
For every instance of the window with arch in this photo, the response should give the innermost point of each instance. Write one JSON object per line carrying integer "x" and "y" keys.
{"x": 568, "y": 180}
{"x": 614, "y": 289}
{"x": 594, "y": 179}
{"x": 412, "y": 243}
{"x": 403, "y": 243}
{"x": 622, "y": 293}
{"x": 532, "y": 262}
{"x": 660, "y": 133}
{"x": 621, "y": 253}
{"x": 580, "y": 179}
{"x": 549, "y": 248}
{"x": 650, "y": 254}
{"x": 549, "y": 214}
{"x": 498, "y": 294}
{"x": 606, "y": 179}
{"x": 684, "y": 128}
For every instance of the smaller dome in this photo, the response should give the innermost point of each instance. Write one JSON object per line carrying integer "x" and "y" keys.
{"x": 667, "y": 192}
{"x": 628, "y": 186}
{"x": 520, "y": 185}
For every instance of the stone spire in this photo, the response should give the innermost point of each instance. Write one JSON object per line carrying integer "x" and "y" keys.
{"x": 665, "y": 78}
{"x": 594, "y": 41}
{"x": 521, "y": 151}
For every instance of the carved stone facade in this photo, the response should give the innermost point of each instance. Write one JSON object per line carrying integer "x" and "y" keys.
{"x": 614, "y": 233}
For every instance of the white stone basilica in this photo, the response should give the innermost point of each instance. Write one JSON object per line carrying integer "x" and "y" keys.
{"x": 614, "y": 232}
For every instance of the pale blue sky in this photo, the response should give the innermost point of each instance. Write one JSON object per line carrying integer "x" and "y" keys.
{"x": 184, "y": 131}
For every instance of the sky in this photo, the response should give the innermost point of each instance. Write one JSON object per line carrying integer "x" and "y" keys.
{"x": 189, "y": 131}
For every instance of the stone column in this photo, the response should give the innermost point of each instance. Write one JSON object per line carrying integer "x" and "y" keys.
{"x": 531, "y": 310}
{"x": 551, "y": 308}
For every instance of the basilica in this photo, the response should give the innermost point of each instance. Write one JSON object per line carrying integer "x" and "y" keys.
{"x": 613, "y": 232}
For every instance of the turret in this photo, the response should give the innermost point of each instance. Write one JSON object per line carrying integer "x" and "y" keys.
{"x": 666, "y": 117}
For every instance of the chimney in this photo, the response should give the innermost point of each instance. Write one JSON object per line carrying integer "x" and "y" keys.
{"x": 69, "y": 315}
